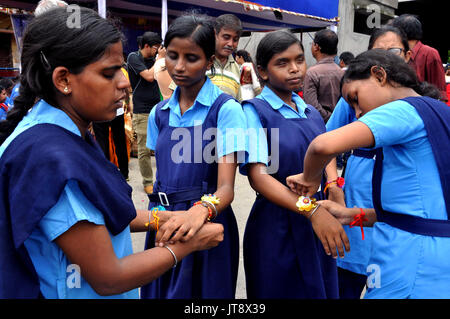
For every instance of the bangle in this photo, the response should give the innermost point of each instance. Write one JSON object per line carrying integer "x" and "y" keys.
{"x": 340, "y": 182}
{"x": 209, "y": 204}
{"x": 174, "y": 256}
{"x": 314, "y": 210}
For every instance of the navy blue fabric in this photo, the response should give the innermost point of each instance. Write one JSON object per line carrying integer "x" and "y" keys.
{"x": 35, "y": 168}
{"x": 436, "y": 117}
{"x": 364, "y": 153}
{"x": 204, "y": 274}
{"x": 283, "y": 258}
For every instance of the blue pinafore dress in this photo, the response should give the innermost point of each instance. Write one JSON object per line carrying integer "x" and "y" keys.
{"x": 204, "y": 274}
{"x": 283, "y": 258}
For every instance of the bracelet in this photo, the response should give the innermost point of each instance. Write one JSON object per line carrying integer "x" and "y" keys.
{"x": 340, "y": 182}
{"x": 207, "y": 207}
{"x": 305, "y": 204}
{"x": 209, "y": 204}
{"x": 154, "y": 212}
{"x": 174, "y": 256}
{"x": 314, "y": 210}
{"x": 213, "y": 199}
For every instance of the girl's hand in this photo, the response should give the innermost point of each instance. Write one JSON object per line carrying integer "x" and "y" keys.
{"x": 182, "y": 227}
{"x": 330, "y": 232}
{"x": 340, "y": 212}
{"x": 210, "y": 235}
{"x": 299, "y": 185}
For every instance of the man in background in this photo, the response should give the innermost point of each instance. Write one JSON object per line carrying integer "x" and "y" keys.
{"x": 145, "y": 97}
{"x": 228, "y": 30}
{"x": 323, "y": 80}
{"x": 424, "y": 59}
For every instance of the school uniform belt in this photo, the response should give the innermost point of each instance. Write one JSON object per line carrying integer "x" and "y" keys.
{"x": 415, "y": 224}
{"x": 176, "y": 197}
{"x": 364, "y": 153}
{"x": 409, "y": 223}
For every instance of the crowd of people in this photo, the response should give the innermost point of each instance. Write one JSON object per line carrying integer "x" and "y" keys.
{"x": 193, "y": 94}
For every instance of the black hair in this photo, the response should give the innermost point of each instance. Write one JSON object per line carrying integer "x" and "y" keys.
{"x": 139, "y": 41}
{"x": 200, "y": 28}
{"x": 327, "y": 40}
{"x": 385, "y": 29}
{"x": 228, "y": 21}
{"x": 150, "y": 38}
{"x": 48, "y": 43}
{"x": 410, "y": 24}
{"x": 347, "y": 57}
{"x": 245, "y": 55}
{"x": 6, "y": 83}
{"x": 398, "y": 72}
{"x": 273, "y": 43}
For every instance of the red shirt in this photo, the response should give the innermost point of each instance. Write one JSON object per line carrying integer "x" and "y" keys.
{"x": 428, "y": 65}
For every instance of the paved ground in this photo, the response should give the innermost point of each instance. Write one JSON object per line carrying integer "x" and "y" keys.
{"x": 244, "y": 197}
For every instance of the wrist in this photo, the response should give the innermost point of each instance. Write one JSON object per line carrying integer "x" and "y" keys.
{"x": 200, "y": 209}
{"x": 338, "y": 182}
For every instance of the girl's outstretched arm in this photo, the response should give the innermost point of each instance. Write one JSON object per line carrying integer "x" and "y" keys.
{"x": 324, "y": 148}
{"x": 327, "y": 228}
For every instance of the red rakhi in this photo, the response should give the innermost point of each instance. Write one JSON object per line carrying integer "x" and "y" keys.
{"x": 358, "y": 221}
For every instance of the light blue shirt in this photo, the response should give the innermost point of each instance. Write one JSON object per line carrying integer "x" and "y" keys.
{"x": 406, "y": 265}
{"x": 10, "y": 99}
{"x": 358, "y": 193}
{"x": 256, "y": 137}
{"x": 231, "y": 123}
{"x": 57, "y": 275}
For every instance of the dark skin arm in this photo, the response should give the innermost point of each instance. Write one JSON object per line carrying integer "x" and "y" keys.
{"x": 187, "y": 224}
{"x": 327, "y": 228}
{"x": 89, "y": 246}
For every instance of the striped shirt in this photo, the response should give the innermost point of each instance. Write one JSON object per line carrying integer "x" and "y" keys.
{"x": 226, "y": 77}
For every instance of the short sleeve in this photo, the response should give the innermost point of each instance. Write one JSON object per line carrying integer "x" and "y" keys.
{"x": 343, "y": 114}
{"x": 256, "y": 139}
{"x": 232, "y": 126}
{"x": 71, "y": 208}
{"x": 135, "y": 64}
{"x": 152, "y": 130}
{"x": 394, "y": 123}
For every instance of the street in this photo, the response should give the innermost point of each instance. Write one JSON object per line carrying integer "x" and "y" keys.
{"x": 243, "y": 200}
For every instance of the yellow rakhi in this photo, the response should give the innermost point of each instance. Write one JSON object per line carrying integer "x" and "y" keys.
{"x": 306, "y": 204}
{"x": 213, "y": 199}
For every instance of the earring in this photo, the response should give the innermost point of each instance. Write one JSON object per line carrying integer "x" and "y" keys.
{"x": 66, "y": 90}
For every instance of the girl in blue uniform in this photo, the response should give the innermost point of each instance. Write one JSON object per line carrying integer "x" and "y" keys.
{"x": 65, "y": 210}
{"x": 194, "y": 138}
{"x": 410, "y": 221}
{"x": 352, "y": 269}
{"x": 283, "y": 257}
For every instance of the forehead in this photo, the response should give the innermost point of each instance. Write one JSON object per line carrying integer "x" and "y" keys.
{"x": 387, "y": 41}
{"x": 113, "y": 55}
{"x": 228, "y": 32}
{"x": 185, "y": 46}
{"x": 292, "y": 52}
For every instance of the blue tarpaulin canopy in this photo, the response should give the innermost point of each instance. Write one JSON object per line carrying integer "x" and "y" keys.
{"x": 257, "y": 15}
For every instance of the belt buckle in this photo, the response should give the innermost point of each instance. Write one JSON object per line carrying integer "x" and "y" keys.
{"x": 163, "y": 199}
